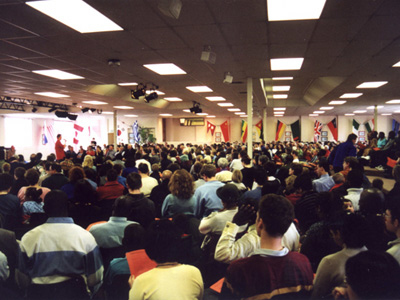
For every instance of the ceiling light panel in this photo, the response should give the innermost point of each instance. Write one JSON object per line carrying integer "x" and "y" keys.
{"x": 359, "y": 111}
{"x": 282, "y": 78}
{"x": 202, "y": 114}
{"x": 211, "y": 116}
{"x": 396, "y": 65}
{"x": 123, "y": 107}
{"x": 337, "y": 102}
{"x": 76, "y": 14}
{"x": 131, "y": 116}
{"x": 289, "y": 10}
{"x": 187, "y": 110}
{"x": 199, "y": 89}
{"x": 165, "y": 69}
{"x": 107, "y": 113}
{"x": 58, "y": 74}
{"x": 95, "y": 102}
{"x": 173, "y": 99}
{"x": 386, "y": 114}
{"x": 351, "y": 95}
{"x": 233, "y": 109}
{"x": 283, "y": 96}
{"x": 240, "y": 113}
{"x": 166, "y": 115}
{"x": 154, "y": 91}
{"x": 318, "y": 112}
{"x": 215, "y": 98}
{"x": 349, "y": 114}
{"x": 281, "y": 88}
{"x": 279, "y": 108}
{"x": 371, "y": 84}
{"x": 394, "y": 101}
{"x": 52, "y": 95}
{"x": 225, "y": 104}
{"x": 313, "y": 115}
{"x": 373, "y": 107}
{"x": 326, "y": 108}
{"x": 282, "y": 64}
{"x": 128, "y": 84}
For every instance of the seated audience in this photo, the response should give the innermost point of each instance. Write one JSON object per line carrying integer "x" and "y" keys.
{"x": 56, "y": 179}
{"x": 9, "y": 204}
{"x": 148, "y": 183}
{"x": 112, "y": 189}
{"x": 33, "y": 204}
{"x": 19, "y": 180}
{"x": 355, "y": 180}
{"x": 324, "y": 183}
{"x": 32, "y": 177}
{"x": 237, "y": 178}
{"x": 392, "y": 222}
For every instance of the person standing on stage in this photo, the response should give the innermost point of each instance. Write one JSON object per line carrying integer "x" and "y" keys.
{"x": 59, "y": 148}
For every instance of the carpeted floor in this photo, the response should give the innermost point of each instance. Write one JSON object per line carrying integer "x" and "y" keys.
{"x": 373, "y": 173}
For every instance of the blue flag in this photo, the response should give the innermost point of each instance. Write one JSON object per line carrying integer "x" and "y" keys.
{"x": 395, "y": 126}
{"x": 136, "y": 135}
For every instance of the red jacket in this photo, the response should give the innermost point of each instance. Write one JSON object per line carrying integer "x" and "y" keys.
{"x": 111, "y": 190}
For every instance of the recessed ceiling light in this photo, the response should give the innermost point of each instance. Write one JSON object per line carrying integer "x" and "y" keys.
{"x": 282, "y": 78}
{"x": 76, "y": 14}
{"x": 58, "y": 74}
{"x": 313, "y": 115}
{"x": 394, "y": 101}
{"x": 199, "y": 89}
{"x": 215, "y": 98}
{"x": 107, "y": 113}
{"x": 233, "y": 109}
{"x": 319, "y": 112}
{"x": 371, "y": 84}
{"x": 281, "y": 88}
{"x": 397, "y": 64}
{"x": 202, "y": 114}
{"x": 386, "y": 114}
{"x": 52, "y": 95}
{"x": 123, "y": 107}
{"x": 156, "y": 91}
{"x": 165, "y": 69}
{"x": 166, "y": 115}
{"x": 279, "y": 64}
{"x": 337, "y": 102}
{"x": 373, "y": 107}
{"x": 187, "y": 110}
{"x": 173, "y": 99}
{"x": 397, "y": 111}
{"x": 243, "y": 116}
{"x": 326, "y": 108}
{"x": 131, "y": 116}
{"x": 288, "y": 10}
{"x": 349, "y": 114}
{"x": 95, "y": 102}
{"x": 359, "y": 111}
{"x": 279, "y": 108}
{"x": 351, "y": 95}
{"x": 128, "y": 83}
{"x": 211, "y": 116}
{"x": 240, "y": 113}
{"x": 283, "y": 96}
{"x": 225, "y": 104}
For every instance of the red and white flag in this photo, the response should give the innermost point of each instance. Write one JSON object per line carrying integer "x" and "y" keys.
{"x": 317, "y": 130}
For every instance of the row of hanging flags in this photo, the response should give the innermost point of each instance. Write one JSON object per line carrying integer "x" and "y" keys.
{"x": 369, "y": 126}
{"x": 295, "y": 127}
{"x": 332, "y": 125}
{"x": 224, "y": 129}
{"x": 49, "y": 134}
{"x": 259, "y": 128}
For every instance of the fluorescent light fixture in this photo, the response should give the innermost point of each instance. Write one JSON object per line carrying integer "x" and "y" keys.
{"x": 131, "y": 116}
{"x": 107, "y": 113}
{"x": 319, "y": 112}
{"x": 386, "y": 114}
{"x": 202, "y": 114}
{"x": 282, "y": 78}
{"x": 371, "y": 84}
{"x": 349, "y": 114}
{"x": 199, "y": 89}
{"x": 52, "y": 95}
{"x": 281, "y": 88}
{"x": 123, "y": 107}
{"x": 233, "y": 109}
{"x": 289, "y": 10}
{"x": 94, "y": 102}
{"x": 148, "y": 92}
{"x": 127, "y": 83}
{"x": 326, "y": 108}
{"x": 281, "y": 64}
{"x": 359, "y": 111}
{"x": 282, "y": 96}
{"x": 373, "y": 107}
{"x": 58, "y": 74}
{"x": 243, "y": 116}
{"x": 216, "y": 98}
{"x": 166, "y": 115}
{"x": 397, "y": 111}
{"x": 313, "y": 115}
{"x": 279, "y": 108}
{"x": 394, "y": 101}
{"x": 211, "y": 116}
{"x": 165, "y": 69}
{"x": 240, "y": 113}
{"x": 187, "y": 110}
{"x": 337, "y": 102}
{"x": 76, "y": 14}
{"x": 173, "y": 99}
{"x": 225, "y": 104}
{"x": 351, "y": 95}
{"x": 397, "y": 64}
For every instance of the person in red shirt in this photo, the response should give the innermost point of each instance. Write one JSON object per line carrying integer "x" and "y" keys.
{"x": 59, "y": 148}
{"x": 112, "y": 189}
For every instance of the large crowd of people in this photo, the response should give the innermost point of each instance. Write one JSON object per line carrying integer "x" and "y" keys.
{"x": 293, "y": 220}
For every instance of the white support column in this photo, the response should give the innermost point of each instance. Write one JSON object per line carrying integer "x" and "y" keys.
{"x": 115, "y": 129}
{"x": 250, "y": 117}
{"x": 376, "y": 117}
{"x": 264, "y": 122}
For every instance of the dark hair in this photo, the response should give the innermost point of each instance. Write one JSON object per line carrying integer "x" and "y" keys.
{"x": 75, "y": 174}
{"x": 394, "y": 206}
{"x": 391, "y": 135}
{"x": 6, "y": 181}
{"x": 84, "y": 192}
{"x": 19, "y": 172}
{"x": 32, "y": 194}
{"x": 208, "y": 170}
{"x": 32, "y": 176}
{"x": 373, "y": 275}
{"x": 112, "y": 175}
{"x": 353, "y": 228}
{"x": 163, "y": 242}
{"x": 58, "y": 135}
{"x": 323, "y": 163}
{"x": 122, "y": 206}
{"x": 304, "y": 182}
{"x": 277, "y": 214}
{"x": 372, "y": 202}
{"x": 130, "y": 163}
{"x": 329, "y": 204}
{"x": 134, "y": 237}
{"x": 381, "y": 135}
{"x": 270, "y": 168}
{"x": 134, "y": 181}
{"x": 118, "y": 168}
{"x": 260, "y": 175}
{"x": 377, "y": 183}
{"x": 246, "y": 160}
{"x": 297, "y": 169}
{"x": 355, "y": 178}
{"x": 351, "y": 137}
{"x": 173, "y": 167}
{"x": 143, "y": 168}
{"x": 56, "y": 204}
{"x": 56, "y": 167}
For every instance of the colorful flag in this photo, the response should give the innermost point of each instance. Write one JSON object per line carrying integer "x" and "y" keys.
{"x": 51, "y": 134}
{"x": 370, "y": 125}
{"x": 280, "y": 129}
{"x": 332, "y": 125}
{"x": 212, "y": 128}
{"x": 225, "y": 131}
{"x": 296, "y": 130}
{"x": 136, "y": 134}
{"x": 77, "y": 127}
{"x": 244, "y": 131}
{"x": 44, "y": 138}
{"x": 75, "y": 141}
{"x": 317, "y": 130}
{"x": 260, "y": 129}
{"x": 395, "y": 126}
{"x": 356, "y": 125}
{"x": 208, "y": 126}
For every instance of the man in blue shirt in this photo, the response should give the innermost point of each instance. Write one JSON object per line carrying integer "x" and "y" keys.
{"x": 324, "y": 183}
{"x": 342, "y": 151}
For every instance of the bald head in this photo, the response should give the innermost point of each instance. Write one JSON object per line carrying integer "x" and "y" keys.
{"x": 166, "y": 174}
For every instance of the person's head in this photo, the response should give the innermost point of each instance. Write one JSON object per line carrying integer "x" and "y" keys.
{"x": 349, "y": 162}
{"x": 246, "y": 160}
{"x": 118, "y": 168}
{"x": 6, "y": 182}
{"x": 303, "y": 183}
{"x": 391, "y": 135}
{"x": 392, "y": 216}
{"x": 260, "y": 175}
{"x": 208, "y": 171}
{"x": 270, "y": 168}
{"x": 223, "y": 163}
{"x": 372, "y": 275}
{"x": 297, "y": 169}
{"x": 87, "y": 161}
{"x": 377, "y": 183}
{"x": 328, "y": 204}
{"x": 112, "y": 175}
{"x": 229, "y": 195}
{"x": 143, "y": 169}
{"x": 338, "y": 178}
{"x": 32, "y": 176}
{"x": 19, "y": 172}
{"x": 396, "y": 173}
{"x": 348, "y": 205}
{"x": 349, "y": 229}
{"x": 75, "y": 174}
{"x": 84, "y": 193}
{"x": 56, "y": 204}
{"x": 163, "y": 242}
{"x": 6, "y": 167}
{"x": 134, "y": 181}
{"x": 32, "y": 194}
{"x": 372, "y": 202}
{"x": 166, "y": 175}
{"x": 237, "y": 176}
{"x": 59, "y": 137}
{"x": 134, "y": 237}
{"x": 355, "y": 178}
{"x": 181, "y": 184}
{"x": 122, "y": 206}
{"x": 197, "y": 167}
{"x": 275, "y": 214}
{"x": 381, "y": 135}
{"x": 322, "y": 167}
{"x": 56, "y": 168}
{"x": 262, "y": 160}
{"x": 352, "y": 138}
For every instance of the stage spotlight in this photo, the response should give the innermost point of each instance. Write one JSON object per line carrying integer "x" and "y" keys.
{"x": 92, "y": 110}
{"x": 72, "y": 117}
{"x": 86, "y": 109}
{"x": 150, "y": 97}
{"x": 34, "y": 109}
{"x": 99, "y": 111}
{"x": 52, "y": 109}
{"x": 196, "y": 108}
{"x": 228, "y": 78}
{"x": 140, "y": 91}
{"x": 61, "y": 114}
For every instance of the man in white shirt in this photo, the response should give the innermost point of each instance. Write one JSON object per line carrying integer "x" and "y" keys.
{"x": 148, "y": 183}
